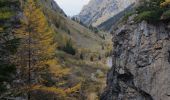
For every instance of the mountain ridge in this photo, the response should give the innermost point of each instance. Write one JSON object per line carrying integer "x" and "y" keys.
{"x": 98, "y": 11}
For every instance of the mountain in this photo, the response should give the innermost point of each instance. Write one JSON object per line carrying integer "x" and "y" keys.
{"x": 98, "y": 11}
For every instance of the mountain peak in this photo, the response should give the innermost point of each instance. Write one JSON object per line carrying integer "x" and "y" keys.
{"x": 99, "y": 11}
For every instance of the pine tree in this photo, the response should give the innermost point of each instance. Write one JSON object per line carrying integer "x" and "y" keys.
{"x": 8, "y": 42}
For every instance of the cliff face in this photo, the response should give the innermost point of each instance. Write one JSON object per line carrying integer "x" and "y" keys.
{"x": 141, "y": 63}
{"x": 99, "y": 11}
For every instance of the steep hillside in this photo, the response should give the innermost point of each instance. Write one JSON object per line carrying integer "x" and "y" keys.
{"x": 89, "y": 63}
{"x": 53, "y": 57}
{"x": 80, "y": 35}
{"x": 99, "y": 11}
{"x": 51, "y": 4}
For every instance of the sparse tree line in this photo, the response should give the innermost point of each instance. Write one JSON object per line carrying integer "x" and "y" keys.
{"x": 153, "y": 11}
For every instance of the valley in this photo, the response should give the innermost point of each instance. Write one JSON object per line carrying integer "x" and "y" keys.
{"x": 111, "y": 50}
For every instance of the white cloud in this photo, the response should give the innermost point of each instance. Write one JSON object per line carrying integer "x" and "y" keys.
{"x": 71, "y": 7}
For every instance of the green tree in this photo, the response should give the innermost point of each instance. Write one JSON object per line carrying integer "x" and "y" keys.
{"x": 8, "y": 42}
{"x": 81, "y": 56}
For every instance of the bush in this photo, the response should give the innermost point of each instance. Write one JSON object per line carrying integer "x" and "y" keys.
{"x": 68, "y": 48}
{"x": 166, "y": 15}
{"x": 91, "y": 58}
{"x": 81, "y": 56}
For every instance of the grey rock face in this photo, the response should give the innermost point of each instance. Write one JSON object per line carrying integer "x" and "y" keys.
{"x": 141, "y": 63}
{"x": 98, "y": 11}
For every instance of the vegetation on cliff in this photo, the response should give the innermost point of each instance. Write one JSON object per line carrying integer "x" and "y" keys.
{"x": 153, "y": 10}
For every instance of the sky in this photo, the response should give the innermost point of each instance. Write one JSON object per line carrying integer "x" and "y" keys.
{"x": 71, "y": 7}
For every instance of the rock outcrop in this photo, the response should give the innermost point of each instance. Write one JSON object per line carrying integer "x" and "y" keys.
{"x": 141, "y": 63}
{"x": 99, "y": 11}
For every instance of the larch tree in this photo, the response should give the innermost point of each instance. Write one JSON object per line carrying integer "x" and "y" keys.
{"x": 36, "y": 54}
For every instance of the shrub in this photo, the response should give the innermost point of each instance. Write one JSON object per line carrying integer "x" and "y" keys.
{"x": 91, "y": 58}
{"x": 81, "y": 56}
{"x": 166, "y": 15}
{"x": 99, "y": 57}
{"x": 68, "y": 48}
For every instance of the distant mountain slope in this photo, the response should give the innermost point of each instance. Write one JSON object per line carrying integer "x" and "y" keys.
{"x": 52, "y": 5}
{"x": 88, "y": 65}
{"x": 80, "y": 35}
{"x": 99, "y": 11}
{"x": 111, "y": 22}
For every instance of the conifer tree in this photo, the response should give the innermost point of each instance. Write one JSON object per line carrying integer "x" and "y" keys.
{"x": 37, "y": 50}
{"x": 8, "y": 43}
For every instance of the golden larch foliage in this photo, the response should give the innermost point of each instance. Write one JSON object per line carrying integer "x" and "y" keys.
{"x": 37, "y": 38}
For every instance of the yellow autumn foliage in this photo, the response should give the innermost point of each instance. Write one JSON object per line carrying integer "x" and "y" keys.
{"x": 55, "y": 90}
{"x": 37, "y": 37}
{"x": 74, "y": 89}
{"x": 59, "y": 91}
{"x": 166, "y": 3}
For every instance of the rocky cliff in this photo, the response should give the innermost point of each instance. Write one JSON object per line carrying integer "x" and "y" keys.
{"x": 141, "y": 62}
{"x": 99, "y": 11}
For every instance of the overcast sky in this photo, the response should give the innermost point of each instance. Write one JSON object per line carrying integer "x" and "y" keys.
{"x": 71, "y": 7}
